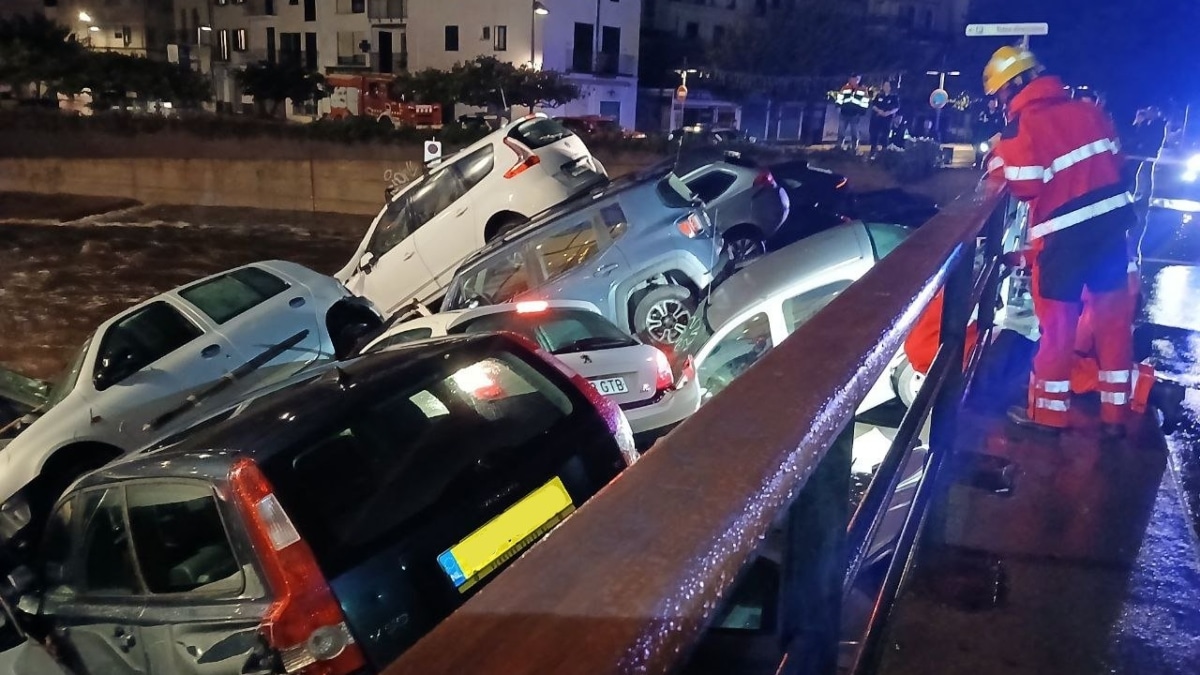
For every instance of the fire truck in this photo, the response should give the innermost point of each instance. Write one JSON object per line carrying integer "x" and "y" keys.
{"x": 369, "y": 96}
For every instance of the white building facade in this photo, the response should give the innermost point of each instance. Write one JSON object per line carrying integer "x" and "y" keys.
{"x": 593, "y": 42}
{"x": 137, "y": 27}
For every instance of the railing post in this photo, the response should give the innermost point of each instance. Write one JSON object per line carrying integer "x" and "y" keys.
{"x": 814, "y": 564}
{"x": 993, "y": 248}
{"x": 956, "y": 314}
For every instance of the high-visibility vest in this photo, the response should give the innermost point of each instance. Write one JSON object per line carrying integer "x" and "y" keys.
{"x": 854, "y": 96}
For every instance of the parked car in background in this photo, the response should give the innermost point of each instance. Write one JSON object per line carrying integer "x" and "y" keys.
{"x": 641, "y": 249}
{"x": 326, "y": 527}
{"x": 812, "y": 187}
{"x": 222, "y": 336}
{"x": 743, "y": 200}
{"x": 425, "y": 231}
{"x": 705, "y": 134}
{"x": 598, "y": 126}
{"x": 638, "y": 377}
{"x": 892, "y": 206}
{"x": 759, "y": 306}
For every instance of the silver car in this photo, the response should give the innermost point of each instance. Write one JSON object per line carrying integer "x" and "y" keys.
{"x": 744, "y": 201}
{"x": 637, "y": 377}
{"x": 641, "y": 249}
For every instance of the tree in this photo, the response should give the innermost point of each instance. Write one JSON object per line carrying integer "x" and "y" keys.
{"x": 36, "y": 51}
{"x": 485, "y": 82}
{"x": 112, "y": 77}
{"x": 272, "y": 83}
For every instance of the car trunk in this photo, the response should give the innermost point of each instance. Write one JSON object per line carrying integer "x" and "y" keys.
{"x": 627, "y": 375}
{"x": 561, "y": 153}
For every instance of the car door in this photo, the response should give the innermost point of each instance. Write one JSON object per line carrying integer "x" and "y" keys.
{"x": 732, "y": 351}
{"x": 390, "y": 271}
{"x": 148, "y": 362}
{"x": 203, "y": 606}
{"x": 451, "y": 231}
{"x": 577, "y": 259}
{"x": 271, "y": 323}
{"x": 92, "y": 595}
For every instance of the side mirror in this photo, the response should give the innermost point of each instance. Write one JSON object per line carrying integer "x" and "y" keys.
{"x": 366, "y": 262}
{"x": 114, "y": 367}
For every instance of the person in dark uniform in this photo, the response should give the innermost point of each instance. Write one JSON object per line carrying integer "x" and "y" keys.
{"x": 884, "y": 108}
{"x": 988, "y": 123}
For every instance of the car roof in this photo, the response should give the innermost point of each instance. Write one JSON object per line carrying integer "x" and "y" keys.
{"x": 443, "y": 321}
{"x": 275, "y": 421}
{"x": 778, "y": 271}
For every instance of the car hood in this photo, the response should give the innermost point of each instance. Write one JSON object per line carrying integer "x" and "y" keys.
{"x": 25, "y": 392}
{"x": 29, "y": 658}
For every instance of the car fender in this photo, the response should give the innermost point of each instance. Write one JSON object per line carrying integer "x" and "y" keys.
{"x": 25, "y": 456}
{"x": 670, "y": 261}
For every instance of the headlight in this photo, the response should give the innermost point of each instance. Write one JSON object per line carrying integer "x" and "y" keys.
{"x": 984, "y": 147}
{"x": 1193, "y": 164}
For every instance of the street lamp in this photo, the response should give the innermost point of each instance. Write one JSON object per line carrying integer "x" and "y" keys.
{"x": 93, "y": 29}
{"x": 538, "y": 9}
{"x": 683, "y": 73}
{"x": 85, "y": 17}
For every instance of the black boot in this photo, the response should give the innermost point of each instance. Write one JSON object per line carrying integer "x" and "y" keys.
{"x": 1019, "y": 416}
{"x": 1168, "y": 398}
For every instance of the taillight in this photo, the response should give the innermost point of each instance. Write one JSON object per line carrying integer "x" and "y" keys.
{"x": 665, "y": 378}
{"x": 765, "y": 179}
{"x": 525, "y": 159}
{"x": 618, "y": 426}
{"x": 690, "y": 225}
{"x": 304, "y": 623}
{"x": 532, "y": 306}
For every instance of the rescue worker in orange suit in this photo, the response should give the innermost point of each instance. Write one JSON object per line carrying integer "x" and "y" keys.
{"x": 1062, "y": 157}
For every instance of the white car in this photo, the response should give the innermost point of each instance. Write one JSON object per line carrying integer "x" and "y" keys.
{"x": 194, "y": 347}
{"x": 762, "y": 304}
{"x": 424, "y": 232}
{"x": 638, "y": 377}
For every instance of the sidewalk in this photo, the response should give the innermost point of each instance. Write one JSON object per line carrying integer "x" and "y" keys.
{"x": 963, "y": 158}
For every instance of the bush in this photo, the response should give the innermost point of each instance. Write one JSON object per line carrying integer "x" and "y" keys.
{"x": 919, "y": 160}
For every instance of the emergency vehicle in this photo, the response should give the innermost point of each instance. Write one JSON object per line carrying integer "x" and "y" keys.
{"x": 369, "y": 96}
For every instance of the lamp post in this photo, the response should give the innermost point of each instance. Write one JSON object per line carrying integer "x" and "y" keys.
{"x": 683, "y": 73}
{"x": 537, "y": 9}
{"x": 937, "y": 120}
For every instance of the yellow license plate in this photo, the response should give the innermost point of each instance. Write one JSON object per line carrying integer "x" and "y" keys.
{"x": 506, "y": 535}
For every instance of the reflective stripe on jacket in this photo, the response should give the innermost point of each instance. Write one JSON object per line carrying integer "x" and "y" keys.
{"x": 856, "y": 99}
{"x": 1060, "y": 155}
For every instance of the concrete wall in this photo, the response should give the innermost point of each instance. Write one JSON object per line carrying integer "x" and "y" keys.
{"x": 320, "y": 185}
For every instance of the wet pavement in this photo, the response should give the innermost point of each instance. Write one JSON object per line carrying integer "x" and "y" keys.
{"x": 63, "y": 273}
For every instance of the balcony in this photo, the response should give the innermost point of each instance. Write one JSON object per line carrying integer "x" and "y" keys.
{"x": 387, "y": 11}
{"x": 608, "y": 64}
{"x": 358, "y": 60}
{"x": 396, "y": 62}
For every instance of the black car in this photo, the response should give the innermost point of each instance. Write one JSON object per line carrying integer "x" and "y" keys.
{"x": 327, "y": 526}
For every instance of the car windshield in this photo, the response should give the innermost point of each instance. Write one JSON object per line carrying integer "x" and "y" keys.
{"x": 66, "y": 382}
{"x": 497, "y": 278}
{"x": 674, "y": 192}
{"x": 558, "y": 330}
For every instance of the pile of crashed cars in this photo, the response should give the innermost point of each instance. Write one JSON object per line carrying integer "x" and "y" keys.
{"x": 261, "y": 472}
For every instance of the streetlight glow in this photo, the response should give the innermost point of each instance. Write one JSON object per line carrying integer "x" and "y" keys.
{"x": 206, "y": 29}
{"x": 94, "y": 29}
{"x": 85, "y": 17}
{"x": 539, "y": 8}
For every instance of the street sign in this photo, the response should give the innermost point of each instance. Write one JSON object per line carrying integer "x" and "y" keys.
{"x": 433, "y": 150}
{"x": 1007, "y": 29}
{"x": 938, "y": 99}
{"x": 681, "y": 93}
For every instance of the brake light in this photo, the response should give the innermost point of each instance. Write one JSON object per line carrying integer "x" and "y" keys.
{"x": 618, "y": 426}
{"x": 765, "y": 179}
{"x": 525, "y": 159}
{"x": 690, "y": 225}
{"x": 665, "y": 379}
{"x": 304, "y": 623}
{"x": 532, "y": 306}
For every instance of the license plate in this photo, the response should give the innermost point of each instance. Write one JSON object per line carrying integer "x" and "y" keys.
{"x": 611, "y": 386}
{"x": 499, "y": 540}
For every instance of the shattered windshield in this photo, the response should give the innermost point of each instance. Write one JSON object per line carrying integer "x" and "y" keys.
{"x": 67, "y": 380}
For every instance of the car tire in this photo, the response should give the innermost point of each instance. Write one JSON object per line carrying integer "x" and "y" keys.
{"x": 662, "y": 314}
{"x": 744, "y": 243}
{"x": 906, "y": 382}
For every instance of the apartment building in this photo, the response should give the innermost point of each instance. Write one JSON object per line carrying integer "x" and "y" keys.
{"x": 594, "y": 42}
{"x": 12, "y": 8}
{"x": 139, "y": 27}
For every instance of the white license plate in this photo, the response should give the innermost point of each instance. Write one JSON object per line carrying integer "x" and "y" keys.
{"x": 611, "y": 386}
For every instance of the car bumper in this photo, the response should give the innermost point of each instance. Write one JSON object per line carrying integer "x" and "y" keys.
{"x": 675, "y": 406}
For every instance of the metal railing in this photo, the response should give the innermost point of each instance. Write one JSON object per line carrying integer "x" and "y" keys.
{"x": 383, "y": 11}
{"x": 631, "y": 582}
{"x": 600, "y": 63}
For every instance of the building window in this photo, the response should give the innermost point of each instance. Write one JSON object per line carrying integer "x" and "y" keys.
{"x": 269, "y": 7}
{"x": 351, "y": 6}
{"x": 500, "y": 43}
{"x": 487, "y": 33}
{"x": 691, "y": 30}
{"x": 718, "y": 33}
{"x": 310, "y": 10}
{"x": 349, "y": 51}
{"x": 929, "y": 19}
{"x": 240, "y": 43}
{"x": 224, "y": 46}
{"x": 451, "y": 38}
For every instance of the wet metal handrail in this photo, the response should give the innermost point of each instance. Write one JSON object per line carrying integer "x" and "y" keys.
{"x": 629, "y": 583}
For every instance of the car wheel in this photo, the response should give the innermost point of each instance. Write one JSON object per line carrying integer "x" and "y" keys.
{"x": 505, "y": 225}
{"x": 744, "y": 244}
{"x": 663, "y": 314}
{"x": 906, "y": 381}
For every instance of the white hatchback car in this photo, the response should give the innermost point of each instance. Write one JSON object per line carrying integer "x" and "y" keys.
{"x": 203, "y": 344}
{"x": 424, "y": 232}
{"x": 762, "y": 304}
{"x": 638, "y": 377}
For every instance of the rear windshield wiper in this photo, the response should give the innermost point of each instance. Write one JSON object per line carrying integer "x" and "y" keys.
{"x": 593, "y": 343}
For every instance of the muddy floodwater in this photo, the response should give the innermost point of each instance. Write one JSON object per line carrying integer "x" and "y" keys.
{"x": 59, "y": 280}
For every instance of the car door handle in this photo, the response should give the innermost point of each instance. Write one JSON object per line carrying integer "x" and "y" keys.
{"x": 461, "y": 211}
{"x": 125, "y": 639}
{"x": 210, "y": 351}
{"x": 409, "y": 254}
{"x": 297, "y": 301}
{"x": 605, "y": 270}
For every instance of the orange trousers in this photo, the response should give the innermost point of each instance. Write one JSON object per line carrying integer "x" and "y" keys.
{"x": 1085, "y": 375}
{"x": 1110, "y": 325}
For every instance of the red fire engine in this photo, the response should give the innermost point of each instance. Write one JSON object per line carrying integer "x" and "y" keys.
{"x": 368, "y": 95}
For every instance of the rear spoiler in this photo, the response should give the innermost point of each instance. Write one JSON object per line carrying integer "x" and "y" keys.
{"x": 23, "y": 390}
